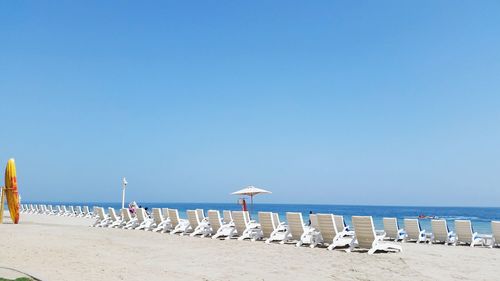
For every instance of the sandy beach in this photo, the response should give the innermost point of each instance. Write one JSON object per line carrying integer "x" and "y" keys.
{"x": 64, "y": 248}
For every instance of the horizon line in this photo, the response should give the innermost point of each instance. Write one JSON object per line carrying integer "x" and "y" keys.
{"x": 320, "y": 204}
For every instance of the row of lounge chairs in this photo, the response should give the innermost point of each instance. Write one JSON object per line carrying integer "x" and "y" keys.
{"x": 464, "y": 232}
{"x": 325, "y": 230}
{"x": 58, "y": 210}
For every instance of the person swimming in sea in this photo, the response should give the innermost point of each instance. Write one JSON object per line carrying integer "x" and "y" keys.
{"x": 422, "y": 216}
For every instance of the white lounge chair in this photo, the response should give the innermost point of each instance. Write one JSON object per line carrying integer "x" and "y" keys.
{"x": 243, "y": 227}
{"x": 198, "y": 225}
{"x": 71, "y": 210}
{"x": 86, "y": 212}
{"x": 43, "y": 209}
{"x": 201, "y": 214}
{"x": 51, "y": 210}
{"x": 330, "y": 234}
{"x": 177, "y": 225}
{"x": 48, "y": 210}
{"x": 280, "y": 229}
{"x": 266, "y": 220}
{"x": 79, "y": 211}
{"x": 159, "y": 221}
{"x": 441, "y": 233}
{"x": 145, "y": 223}
{"x": 164, "y": 212}
{"x": 94, "y": 213}
{"x": 66, "y": 211}
{"x": 414, "y": 232}
{"x": 298, "y": 233}
{"x": 365, "y": 237}
{"x": 128, "y": 222}
{"x": 193, "y": 221}
{"x": 227, "y": 216}
{"x": 218, "y": 227}
{"x": 465, "y": 234}
{"x": 115, "y": 219}
{"x": 59, "y": 211}
{"x": 272, "y": 229}
{"x": 102, "y": 220}
{"x": 342, "y": 225}
{"x": 392, "y": 230}
{"x": 495, "y": 227}
{"x": 313, "y": 218}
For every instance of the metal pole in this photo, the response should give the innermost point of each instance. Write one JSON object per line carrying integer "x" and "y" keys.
{"x": 124, "y": 185}
{"x": 123, "y": 197}
{"x": 251, "y": 203}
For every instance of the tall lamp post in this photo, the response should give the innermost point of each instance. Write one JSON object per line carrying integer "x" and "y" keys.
{"x": 124, "y": 185}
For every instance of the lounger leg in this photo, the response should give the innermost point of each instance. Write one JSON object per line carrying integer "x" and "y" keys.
{"x": 351, "y": 246}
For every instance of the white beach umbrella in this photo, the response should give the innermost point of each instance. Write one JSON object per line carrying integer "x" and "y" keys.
{"x": 251, "y": 191}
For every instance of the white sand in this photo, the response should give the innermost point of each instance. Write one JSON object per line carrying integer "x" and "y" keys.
{"x": 62, "y": 248}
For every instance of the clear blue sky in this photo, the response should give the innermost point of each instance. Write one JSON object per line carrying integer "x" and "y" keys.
{"x": 337, "y": 102}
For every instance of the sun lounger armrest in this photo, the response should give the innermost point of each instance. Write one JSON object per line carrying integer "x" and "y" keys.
{"x": 254, "y": 224}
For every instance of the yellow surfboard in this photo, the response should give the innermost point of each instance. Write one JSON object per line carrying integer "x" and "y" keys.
{"x": 11, "y": 191}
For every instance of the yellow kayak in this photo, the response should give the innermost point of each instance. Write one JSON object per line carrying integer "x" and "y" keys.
{"x": 11, "y": 191}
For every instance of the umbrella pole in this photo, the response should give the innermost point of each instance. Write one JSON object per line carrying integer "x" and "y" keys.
{"x": 1, "y": 204}
{"x": 251, "y": 203}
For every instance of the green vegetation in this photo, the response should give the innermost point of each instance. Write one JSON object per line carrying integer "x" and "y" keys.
{"x": 17, "y": 279}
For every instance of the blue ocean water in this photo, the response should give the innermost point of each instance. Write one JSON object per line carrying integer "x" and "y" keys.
{"x": 481, "y": 217}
